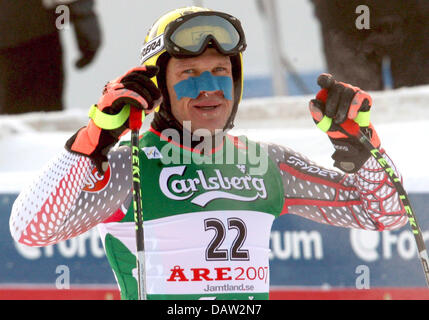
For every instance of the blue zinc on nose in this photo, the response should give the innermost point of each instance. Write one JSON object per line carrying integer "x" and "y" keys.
{"x": 192, "y": 86}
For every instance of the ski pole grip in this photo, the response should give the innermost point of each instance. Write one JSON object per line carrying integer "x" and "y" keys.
{"x": 135, "y": 120}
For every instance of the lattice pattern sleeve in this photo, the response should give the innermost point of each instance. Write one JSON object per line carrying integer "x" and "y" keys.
{"x": 66, "y": 199}
{"x": 365, "y": 200}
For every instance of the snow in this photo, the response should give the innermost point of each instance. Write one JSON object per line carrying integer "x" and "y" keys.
{"x": 402, "y": 141}
{"x": 401, "y": 118}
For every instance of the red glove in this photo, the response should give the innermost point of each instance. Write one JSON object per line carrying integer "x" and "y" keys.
{"x": 341, "y": 111}
{"x": 109, "y": 119}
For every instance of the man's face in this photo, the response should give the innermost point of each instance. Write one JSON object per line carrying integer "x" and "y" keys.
{"x": 210, "y": 110}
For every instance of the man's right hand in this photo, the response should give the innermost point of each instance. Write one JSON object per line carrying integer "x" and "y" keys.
{"x": 109, "y": 117}
{"x": 135, "y": 88}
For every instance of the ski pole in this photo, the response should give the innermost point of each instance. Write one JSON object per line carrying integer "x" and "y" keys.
{"x": 326, "y": 81}
{"x": 135, "y": 122}
{"x": 412, "y": 219}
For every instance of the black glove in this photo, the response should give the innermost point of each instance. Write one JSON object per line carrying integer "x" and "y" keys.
{"x": 87, "y": 31}
{"x": 341, "y": 111}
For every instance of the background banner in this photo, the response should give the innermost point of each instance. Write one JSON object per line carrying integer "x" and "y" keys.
{"x": 303, "y": 253}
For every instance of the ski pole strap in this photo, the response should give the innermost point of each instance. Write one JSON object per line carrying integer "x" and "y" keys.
{"x": 325, "y": 124}
{"x": 108, "y": 121}
{"x": 362, "y": 119}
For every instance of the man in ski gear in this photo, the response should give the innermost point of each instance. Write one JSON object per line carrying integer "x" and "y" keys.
{"x": 208, "y": 206}
{"x": 364, "y": 39}
{"x": 31, "y": 53}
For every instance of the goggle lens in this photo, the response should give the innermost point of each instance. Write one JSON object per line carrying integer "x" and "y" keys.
{"x": 192, "y": 34}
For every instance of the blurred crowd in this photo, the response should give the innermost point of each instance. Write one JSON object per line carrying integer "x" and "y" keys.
{"x": 31, "y": 53}
{"x": 396, "y": 35}
{"x": 359, "y": 46}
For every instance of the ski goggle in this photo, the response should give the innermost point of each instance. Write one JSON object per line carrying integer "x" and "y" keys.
{"x": 189, "y": 36}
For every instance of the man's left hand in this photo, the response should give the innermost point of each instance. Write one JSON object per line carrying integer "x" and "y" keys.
{"x": 342, "y": 110}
